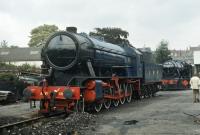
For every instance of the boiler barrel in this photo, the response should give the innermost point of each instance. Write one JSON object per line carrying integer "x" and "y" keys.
{"x": 63, "y": 50}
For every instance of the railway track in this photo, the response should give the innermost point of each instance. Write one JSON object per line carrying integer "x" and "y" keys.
{"x": 75, "y": 123}
{"x": 6, "y": 127}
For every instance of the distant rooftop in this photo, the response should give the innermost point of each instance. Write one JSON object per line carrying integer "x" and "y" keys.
{"x": 20, "y": 54}
{"x": 196, "y": 48}
{"x": 145, "y": 49}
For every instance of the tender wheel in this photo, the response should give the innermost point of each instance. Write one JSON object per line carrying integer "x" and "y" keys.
{"x": 150, "y": 91}
{"x": 129, "y": 91}
{"x": 80, "y": 105}
{"x": 146, "y": 94}
{"x": 142, "y": 96}
{"x": 116, "y": 103}
{"x": 107, "y": 102}
{"x": 122, "y": 88}
{"x": 98, "y": 107}
{"x": 153, "y": 90}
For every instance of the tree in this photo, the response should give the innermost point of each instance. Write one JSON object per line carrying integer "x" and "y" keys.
{"x": 7, "y": 76}
{"x": 9, "y": 66}
{"x": 14, "y": 46}
{"x": 40, "y": 34}
{"x": 4, "y": 44}
{"x": 162, "y": 53}
{"x": 27, "y": 68}
{"x": 112, "y": 35}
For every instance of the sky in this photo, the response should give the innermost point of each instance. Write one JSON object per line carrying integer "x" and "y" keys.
{"x": 147, "y": 21}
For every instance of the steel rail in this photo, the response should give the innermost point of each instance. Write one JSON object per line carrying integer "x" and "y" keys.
{"x": 11, "y": 125}
{"x": 27, "y": 121}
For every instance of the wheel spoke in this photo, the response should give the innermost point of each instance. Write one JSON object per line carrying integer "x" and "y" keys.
{"x": 122, "y": 88}
{"x": 107, "y": 102}
{"x": 115, "y": 93}
{"x": 116, "y": 102}
{"x": 129, "y": 91}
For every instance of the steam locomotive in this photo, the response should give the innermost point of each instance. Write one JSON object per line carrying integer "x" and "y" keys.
{"x": 176, "y": 75}
{"x": 85, "y": 73}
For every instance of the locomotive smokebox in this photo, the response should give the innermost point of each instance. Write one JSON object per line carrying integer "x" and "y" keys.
{"x": 71, "y": 29}
{"x": 62, "y": 50}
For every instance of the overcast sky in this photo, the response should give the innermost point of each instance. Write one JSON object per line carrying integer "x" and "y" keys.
{"x": 147, "y": 21}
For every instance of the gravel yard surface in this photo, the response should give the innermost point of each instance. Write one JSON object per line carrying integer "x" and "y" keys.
{"x": 20, "y": 109}
{"x": 160, "y": 115}
{"x": 76, "y": 123}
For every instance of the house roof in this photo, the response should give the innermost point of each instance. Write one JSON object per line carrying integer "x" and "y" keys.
{"x": 20, "y": 54}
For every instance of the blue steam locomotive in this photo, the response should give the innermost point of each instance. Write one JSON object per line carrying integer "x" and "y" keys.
{"x": 86, "y": 73}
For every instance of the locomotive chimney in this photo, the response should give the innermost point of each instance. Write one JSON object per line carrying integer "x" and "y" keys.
{"x": 71, "y": 29}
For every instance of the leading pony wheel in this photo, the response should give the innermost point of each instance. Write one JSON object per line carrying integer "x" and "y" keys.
{"x": 80, "y": 105}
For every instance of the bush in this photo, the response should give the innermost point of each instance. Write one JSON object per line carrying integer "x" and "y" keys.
{"x": 8, "y": 76}
{"x": 28, "y": 68}
{"x": 5, "y": 66}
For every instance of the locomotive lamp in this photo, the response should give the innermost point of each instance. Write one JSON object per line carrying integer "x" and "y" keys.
{"x": 68, "y": 93}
